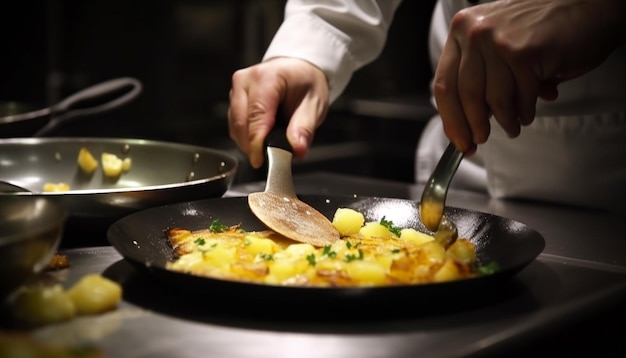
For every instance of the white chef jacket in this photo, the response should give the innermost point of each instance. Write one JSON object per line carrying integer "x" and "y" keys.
{"x": 573, "y": 153}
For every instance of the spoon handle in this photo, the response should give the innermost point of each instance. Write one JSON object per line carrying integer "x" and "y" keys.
{"x": 447, "y": 166}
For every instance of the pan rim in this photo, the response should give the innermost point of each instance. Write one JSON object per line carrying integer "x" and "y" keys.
{"x": 227, "y": 158}
{"x": 538, "y": 246}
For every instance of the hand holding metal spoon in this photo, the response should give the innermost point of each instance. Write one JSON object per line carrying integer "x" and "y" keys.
{"x": 434, "y": 195}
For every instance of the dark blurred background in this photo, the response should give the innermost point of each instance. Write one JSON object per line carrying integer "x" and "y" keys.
{"x": 184, "y": 52}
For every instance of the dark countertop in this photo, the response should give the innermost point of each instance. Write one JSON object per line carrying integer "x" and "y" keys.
{"x": 568, "y": 301}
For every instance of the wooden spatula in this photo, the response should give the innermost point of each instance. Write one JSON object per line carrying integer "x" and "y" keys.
{"x": 279, "y": 208}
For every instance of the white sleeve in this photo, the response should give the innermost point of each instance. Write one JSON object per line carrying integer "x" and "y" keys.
{"x": 339, "y": 37}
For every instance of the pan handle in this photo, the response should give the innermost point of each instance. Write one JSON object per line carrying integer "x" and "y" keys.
{"x": 62, "y": 112}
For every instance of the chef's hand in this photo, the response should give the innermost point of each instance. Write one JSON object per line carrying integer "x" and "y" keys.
{"x": 500, "y": 57}
{"x": 279, "y": 88}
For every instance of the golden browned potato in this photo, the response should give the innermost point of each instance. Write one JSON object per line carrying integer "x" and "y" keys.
{"x": 39, "y": 305}
{"x": 375, "y": 230}
{"x": 55, "y": 187}
{"x": 414, "y": 236}
{"x": 348, "y": 221}
{"x": 111, "y": 165}
{"x": 127, "y": 163}
{"x": 86, "y": 161}
{"x": 376, "y": 254}
{"x": 462, "y": 251}
{"x": 95, "y": 294}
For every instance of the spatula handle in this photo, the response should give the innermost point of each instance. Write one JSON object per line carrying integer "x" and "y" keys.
{"x": 277, "y": 138}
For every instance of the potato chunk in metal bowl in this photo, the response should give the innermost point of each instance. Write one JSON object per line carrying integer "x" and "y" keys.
{"x": 31, "y": 228}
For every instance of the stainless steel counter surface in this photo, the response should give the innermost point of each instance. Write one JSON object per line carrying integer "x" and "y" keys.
{"x": 570, "y": 301}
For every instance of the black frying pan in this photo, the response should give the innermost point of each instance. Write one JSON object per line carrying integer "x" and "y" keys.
{"x": 141, "y": 240}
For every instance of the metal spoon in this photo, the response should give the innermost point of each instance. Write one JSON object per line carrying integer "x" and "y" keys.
{"x": 434, "y": 195}
{"x": 279, "y": 208}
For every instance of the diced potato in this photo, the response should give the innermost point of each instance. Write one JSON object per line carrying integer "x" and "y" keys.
{"x": 366, "y": 272}
{"x": 385, "y": 261}
{"x": 338, "y": 248}
{"x": 256, "y": 245}
{"x": 377, "y": 254}
{"x": 86, "y": 161}
{"x": 282, "y": 270}
{"x": 39, "y": 305}
{"x": 127, "y": 163}
{"x": 414, "y": 236}
{"x": 111, "y": 165}
{"x": 375, "y": 230}
{"x": 330, "y": 265}
{"x": 434, "y": 252}
{"x": 348, "y": 221}
{"x": 94, "y": 294}
{"x": 298, "y": 250}
{"x": 55, "y": 187}
{"x": 191, "y": 259}
{"x": 219, "y": 256}
{"x": 462, "y": 251}
{"x": 447, "y": 272}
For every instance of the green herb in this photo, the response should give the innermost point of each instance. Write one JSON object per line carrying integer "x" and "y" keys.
{"x": 350, "y": 245}
{"x": 395, "y": 251}
{"x": 200, "y": 241}
{"x": 311, "y": 259}
{"x": 246, "y": 242}
{"x": 266, "y": 257}
{"x": 217, "y": 226}
{"x": 389, "y": 225}
{"x": 350, "y": 257}
{"x": 214, "y": 245}
{"x": 326, "y": 251}
{"x": 488, "y": 269}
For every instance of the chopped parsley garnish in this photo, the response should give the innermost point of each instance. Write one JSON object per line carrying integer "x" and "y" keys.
{"x": 266, "y": 257}
{"x": 217, "y": 226}
{"x": 488, "y": 269}
{"x": 326, "y": 251}
{"x": 350, "y": 245}
{"x": 351, "y": 257}
{"x": 395, "y": 251}
{"x": 389, "y": 225}
{"x": 311, "y": 259}
{"x": 200, "y": 241}
{"x": 246, "y": 242}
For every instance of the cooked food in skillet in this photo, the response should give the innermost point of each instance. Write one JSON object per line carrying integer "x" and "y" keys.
{"x": 368, "y": 254}
{"x": 86, "y": 161}
{"x": 52, "y": 187}
{"x": 112, "y": 167}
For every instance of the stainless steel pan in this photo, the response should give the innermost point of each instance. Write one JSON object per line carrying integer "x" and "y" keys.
{"x": 161, "y": 173}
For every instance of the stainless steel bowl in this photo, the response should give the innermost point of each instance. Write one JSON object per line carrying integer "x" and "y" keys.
{"x": 30, "y": 232}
